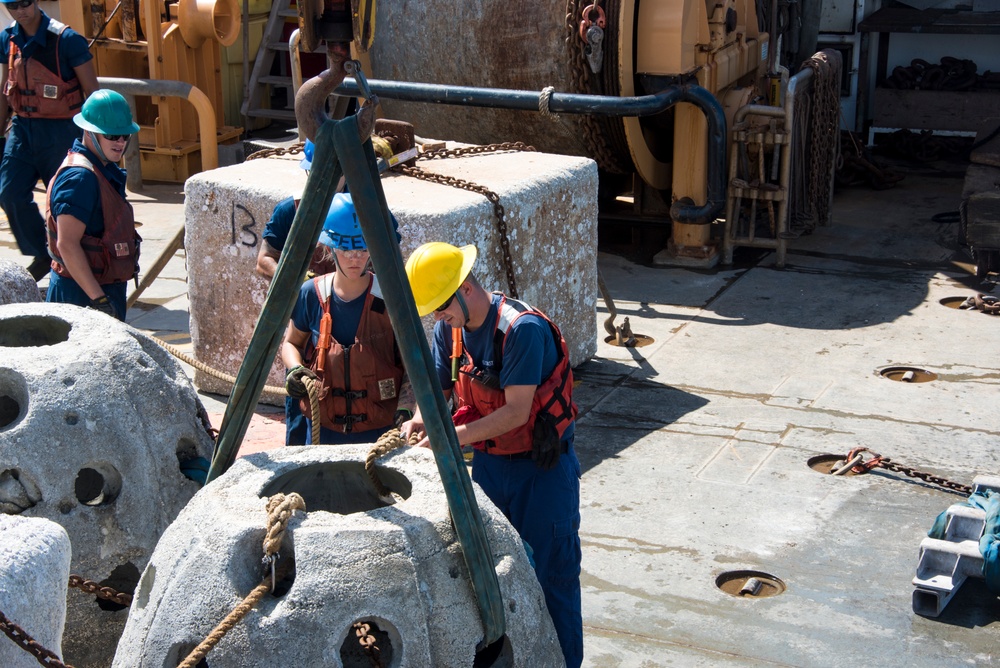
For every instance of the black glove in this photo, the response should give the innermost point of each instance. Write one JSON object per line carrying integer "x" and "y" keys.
{"x": 293, "y": 381}
{"x": 545, "y": 445}
{"x": 104, "y": 305}
{"x": 401, "y": 416}
{"x": 3, "y": 144}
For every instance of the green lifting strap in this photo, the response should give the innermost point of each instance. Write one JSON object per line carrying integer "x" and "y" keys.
{"x": 321, "y": 185}
{"x": 361, "y": 170}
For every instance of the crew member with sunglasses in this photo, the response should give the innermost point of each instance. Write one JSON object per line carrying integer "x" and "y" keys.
{"x": 508, "y": 367}
{"x": 46, "y": 72}
{"x": 341, "y": 336}
{"x": 92, "y": 237}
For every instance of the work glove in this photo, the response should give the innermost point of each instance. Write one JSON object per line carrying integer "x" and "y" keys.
{"x": 294, "y": 385}
{"x": 104, "y": 305}
{"x": 545, "y": 445}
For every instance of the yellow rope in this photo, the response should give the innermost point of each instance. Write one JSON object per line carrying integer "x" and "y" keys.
{"x": 315, "y": 419}
{"x": 279, "y": 510}
{"x": 184, "y": 357}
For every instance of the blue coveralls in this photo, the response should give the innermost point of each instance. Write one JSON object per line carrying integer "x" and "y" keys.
{"x": 275, "y": 234}
{"x": 36, "y": 146}
{"x": 77, "y": 193}
{"x": 543, "y": 506}
{"x": 345, "y": 317}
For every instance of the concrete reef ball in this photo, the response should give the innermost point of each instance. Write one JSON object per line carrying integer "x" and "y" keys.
{"x": 353, "y": 556}
{"x": 96, "y": 421}
{"x": 16, "y": 284}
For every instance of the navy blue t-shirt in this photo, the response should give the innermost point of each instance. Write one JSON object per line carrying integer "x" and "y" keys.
{"x": 73, "y": 50}
{"x": 346, "y": 316}
{"x": 277, "y": 228}
{"x": 75, "y": 191}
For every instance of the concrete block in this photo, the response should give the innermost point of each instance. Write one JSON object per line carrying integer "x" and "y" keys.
{"x": 34, "y": 569}
{"x": 551, "y": 213}
{"x": 356, "y": 558}
{"x": 16, "y": 284}
{"x": 95, "y": 422}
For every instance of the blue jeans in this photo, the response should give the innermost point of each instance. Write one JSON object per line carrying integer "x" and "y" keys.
{"x": 544, "y": 507}
{"x": 35, "y": 149}
{"x": 67, "y": 291}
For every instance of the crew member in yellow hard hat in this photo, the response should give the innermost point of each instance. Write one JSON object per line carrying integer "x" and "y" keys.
{"x": 508, "y": 367}
{"x": 340, "y": 336}
{"x": 91, "y": 227}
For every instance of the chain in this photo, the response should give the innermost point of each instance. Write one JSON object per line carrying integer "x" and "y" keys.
{"x": 595, "y": 132}
{"x": 494, "y": 198}
{"x": 294, "y": 149}
{"x": 107, "y": 593}
{"x": 825, "y": 134}
{"x": 878, "y": 461}
{"x": 367, "y": 641}
{"x": 30, "y": 645}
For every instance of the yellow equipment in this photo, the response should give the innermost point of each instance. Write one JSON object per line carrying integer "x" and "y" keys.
{"x": 177, "y": 41}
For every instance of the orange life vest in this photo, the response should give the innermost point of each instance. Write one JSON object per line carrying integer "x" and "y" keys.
{"x": 554, "y": 396}
{"x": 361, "y": 382}
{"x": 113, "y": 256}
{"x": 38, "y": 92}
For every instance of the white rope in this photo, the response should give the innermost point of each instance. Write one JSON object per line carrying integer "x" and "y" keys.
{"x": 543, "y": 101}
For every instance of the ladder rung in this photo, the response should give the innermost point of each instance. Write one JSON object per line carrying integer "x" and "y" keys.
{"x": 275, "y": 80}
{"x": 282, "y": 114}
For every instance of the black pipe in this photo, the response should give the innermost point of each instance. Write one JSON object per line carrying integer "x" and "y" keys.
{"x": 570, "y": 103}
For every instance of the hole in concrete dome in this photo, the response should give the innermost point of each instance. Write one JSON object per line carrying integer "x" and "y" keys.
{"x": 17, "y": 492}
{"x": 338, "y": 487}
{"x": 98, "y": 485}
{"x": 369, "y": 642}
{"x": 179, "y": 652}
{"x": 29, "y": 331}
{"x": 123, "y": 579}
{"x": 192, "y": 465}
{"x": 498, "y": 654}
{"x": 13, "y": 398}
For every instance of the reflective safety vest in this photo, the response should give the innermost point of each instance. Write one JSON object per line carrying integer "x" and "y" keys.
{"x": 37, "y": 91}
{"x": 554, "y": 396}
{"x": 113, "y": 256}
{"x": 361, "y": 382}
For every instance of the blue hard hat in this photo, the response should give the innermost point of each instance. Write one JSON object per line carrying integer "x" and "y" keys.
{"x": 309, "y": 149}
{"x": 342, "y": 231}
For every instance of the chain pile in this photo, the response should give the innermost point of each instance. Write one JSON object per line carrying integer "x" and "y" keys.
{"x": 950, "y": 74}
{"x": 824, "y": 132}
{"x": 988, "y": 304}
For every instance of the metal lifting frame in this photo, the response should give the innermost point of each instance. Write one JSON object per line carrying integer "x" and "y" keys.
{"x": 344, "y": 152}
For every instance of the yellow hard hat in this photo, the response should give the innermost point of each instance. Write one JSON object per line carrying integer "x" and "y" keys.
{"x": 435, "y": 270}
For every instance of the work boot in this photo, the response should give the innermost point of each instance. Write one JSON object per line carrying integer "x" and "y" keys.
{"x": 39, "y": 267}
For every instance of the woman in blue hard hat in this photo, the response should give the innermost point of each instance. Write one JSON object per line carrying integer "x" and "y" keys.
{"x": 340, "y": 334}
{"x": 92, "y": 237}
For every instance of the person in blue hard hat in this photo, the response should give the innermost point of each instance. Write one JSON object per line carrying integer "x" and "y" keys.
{"x": 46, "y": 72}
{"x": 91, "y": 227}
{"x": 340, "y": 336}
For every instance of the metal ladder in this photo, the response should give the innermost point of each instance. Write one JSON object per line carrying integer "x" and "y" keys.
{"x": 260, "y": 77}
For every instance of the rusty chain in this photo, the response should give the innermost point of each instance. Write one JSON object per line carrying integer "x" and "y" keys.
{"x": 824, "y": 144}
{"x": 988, "y": 304}
{"x": 99, "y": 590}
{"x": 498, "y": 211}
{"x": 44, "y": 656}
{"x": 878, "y": 461}
{"x": 366, "y": 639}
{"x": 596, "y": 130}
{"x": 294, "y": 149}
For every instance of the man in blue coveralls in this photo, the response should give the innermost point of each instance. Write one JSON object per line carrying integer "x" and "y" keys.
{"x": 47, "y": 72}
{"x": 508, "y": 366}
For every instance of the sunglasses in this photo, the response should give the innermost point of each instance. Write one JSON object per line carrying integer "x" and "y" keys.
{"x": 112, "y": 137}
{"x": 20, "y": 4}
{"x": 446, "y": 304}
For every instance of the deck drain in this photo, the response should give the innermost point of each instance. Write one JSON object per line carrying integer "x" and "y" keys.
{"x": 952, "y": 302}
{"x": 826, "y": 463}
{"x": 749, "y": 584}
{"x": 907, "y": 374}
{"x": 637, "y": 341}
